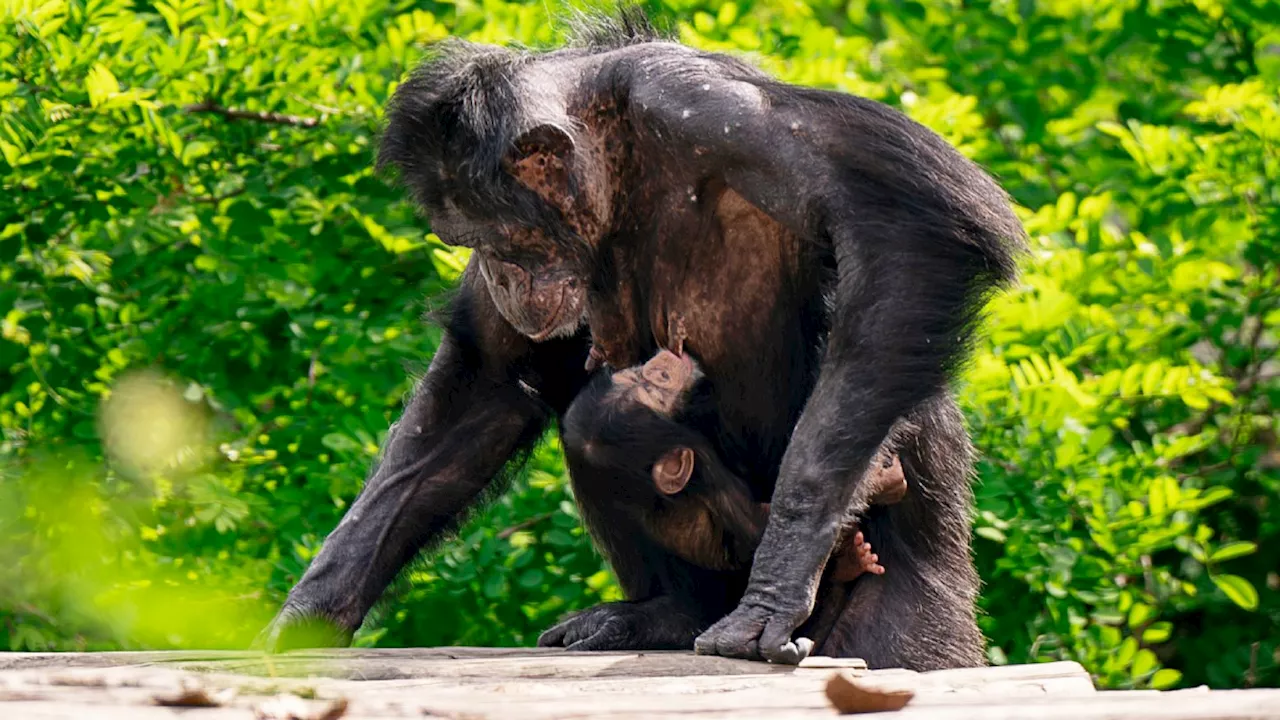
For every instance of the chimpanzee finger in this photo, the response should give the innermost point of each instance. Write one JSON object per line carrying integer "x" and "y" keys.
{"x": 734, "y": 636}
{"x": 586, "y": 628}
{"x": 554, "y": 635}
{"x": 741, "y": 649}
{"x": 777, "y": 646}
{"x": 608, "y": 636}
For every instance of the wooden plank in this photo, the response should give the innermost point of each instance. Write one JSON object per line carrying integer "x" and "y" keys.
{"x": 504, "y": 683}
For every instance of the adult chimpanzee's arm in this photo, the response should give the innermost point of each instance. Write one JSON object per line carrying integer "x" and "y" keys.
{"x": 466, "y": 419}
{"x": 918, "y": 235}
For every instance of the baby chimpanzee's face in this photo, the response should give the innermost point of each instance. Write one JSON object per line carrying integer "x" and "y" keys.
{"x": 659, "y": 384}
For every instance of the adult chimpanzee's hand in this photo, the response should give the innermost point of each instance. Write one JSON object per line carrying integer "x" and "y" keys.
{"x": 755, "y": 632}
{"x": 655, "y": 624}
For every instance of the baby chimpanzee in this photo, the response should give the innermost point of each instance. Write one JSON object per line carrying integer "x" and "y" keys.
{"x": 646, "y": 429}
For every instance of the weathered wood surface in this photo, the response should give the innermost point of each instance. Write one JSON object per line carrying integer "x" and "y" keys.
{"x": 474, "y": 683}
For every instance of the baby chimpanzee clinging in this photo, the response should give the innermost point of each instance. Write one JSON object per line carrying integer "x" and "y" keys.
{"x": 651, "y": 436}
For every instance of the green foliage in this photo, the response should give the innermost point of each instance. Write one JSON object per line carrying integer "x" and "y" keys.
{"x": 208, "y": 303}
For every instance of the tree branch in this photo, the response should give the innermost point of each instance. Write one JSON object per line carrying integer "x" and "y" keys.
{"x": 525, "y": 525}
{"x": 209, "y": 106}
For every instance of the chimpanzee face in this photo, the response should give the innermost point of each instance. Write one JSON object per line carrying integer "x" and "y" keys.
{"x": 659, "y": 384}
{"x": 534, "y": 282}
{"x": 538, "y": 281}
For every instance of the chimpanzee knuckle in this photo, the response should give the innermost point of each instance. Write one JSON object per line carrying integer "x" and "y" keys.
{"x": 552, "y": 637}
{"x": 740, "y": 646}
{"x": 556, "y": 635}
{"x": 786, "y": 654}
{"x": 573, "y": 632}
{"x": 705, "y": 644}
{"x": 777, "y": 646}
{"x": 735, "y": 636}
{"x": 614, "y": 634}
{"x": 611, "y": 635}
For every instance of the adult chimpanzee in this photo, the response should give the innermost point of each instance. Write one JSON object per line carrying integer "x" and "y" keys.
{"x": 830, "y": 257}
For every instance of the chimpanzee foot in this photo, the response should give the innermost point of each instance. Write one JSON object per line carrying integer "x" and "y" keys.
{"x": 867, "y": 560}
{"x": 294, "y": 629}
{"x": 649, "y": 625}
{"x": 856, "y": 558}
{"x": 754, "y": 632}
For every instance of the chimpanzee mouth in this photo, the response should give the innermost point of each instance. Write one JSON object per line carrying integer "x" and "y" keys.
{"x": 558, "y": 325}
{"x": 547, "y": 331}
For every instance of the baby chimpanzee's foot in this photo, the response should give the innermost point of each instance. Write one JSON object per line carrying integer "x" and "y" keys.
{"x": 867, "y": 561}
{"x": 855, "y": 558}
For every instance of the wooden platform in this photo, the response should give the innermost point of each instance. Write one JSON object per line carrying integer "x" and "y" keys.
{"x": 473, "y": 683}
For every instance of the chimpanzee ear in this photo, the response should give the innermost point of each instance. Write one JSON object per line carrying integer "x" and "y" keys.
{"x": 672, "y": 471}
{"x": 545, "y": 147}
{"x": 541, "y": 161}
{"x": 546, "y": 141}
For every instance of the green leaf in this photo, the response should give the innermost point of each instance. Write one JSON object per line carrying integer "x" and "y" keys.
{"x": 1125, "y": 653}
{"x": 1166, "y": 678}
{"x": 1139, "y": 614}
{"x": 728, "y": 14}
{"x": 1233, "y": 550}
{"x": 1143, "y": 663}
{"x": 340, "y": 443}
{"x": 1157, "y": 633}
{"x": 495, "y": 586}
{"x": 100, "y": 84}
{"x": 1157, "y": 500}
{"x": 1151, "y": 379}
{"x": 1240, "y": 591}
{"x": 990, "y": 533}
{"x": 559, "y": 537}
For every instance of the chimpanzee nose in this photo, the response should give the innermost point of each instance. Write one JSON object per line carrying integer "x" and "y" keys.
{"x": 512, "y": 278}
{"x": 546, "y": 294}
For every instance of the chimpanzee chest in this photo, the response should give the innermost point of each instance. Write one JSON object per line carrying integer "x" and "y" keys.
{"x": 733, "y": 276}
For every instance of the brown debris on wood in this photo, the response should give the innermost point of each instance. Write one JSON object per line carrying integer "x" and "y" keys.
{"x": 849, "y": 696}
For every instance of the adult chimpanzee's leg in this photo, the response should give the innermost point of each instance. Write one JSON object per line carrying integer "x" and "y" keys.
{"x": 889, "y": 350}
{"x": 924, "y": 543}
{"x": 487, "y": 395}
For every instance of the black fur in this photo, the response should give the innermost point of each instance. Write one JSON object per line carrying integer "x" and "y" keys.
{"x": 611, "y": 447}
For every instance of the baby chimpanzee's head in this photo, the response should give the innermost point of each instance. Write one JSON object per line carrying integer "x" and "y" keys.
{"x": 647, "y": 416}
